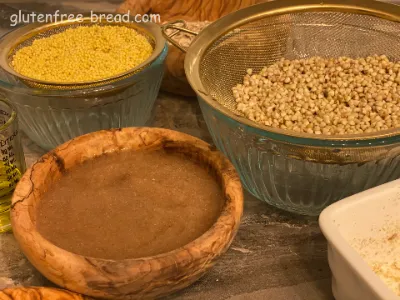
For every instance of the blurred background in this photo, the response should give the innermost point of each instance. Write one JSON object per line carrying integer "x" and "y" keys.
{"x": 67, "y": 5}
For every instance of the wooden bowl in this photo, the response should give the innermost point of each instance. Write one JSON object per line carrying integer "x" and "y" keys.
{"x": 38, "y": 293}
{"x": 143, "y": 278}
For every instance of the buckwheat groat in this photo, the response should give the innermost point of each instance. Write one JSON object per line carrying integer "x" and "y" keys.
{"x": 323, "y": 96}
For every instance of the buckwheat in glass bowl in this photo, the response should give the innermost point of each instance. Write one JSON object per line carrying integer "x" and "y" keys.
{"x": 301, "y": 172}
{"x": 53, "y": 110}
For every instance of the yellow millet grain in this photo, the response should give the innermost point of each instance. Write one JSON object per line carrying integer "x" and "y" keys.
{"x": 81, "y": 54}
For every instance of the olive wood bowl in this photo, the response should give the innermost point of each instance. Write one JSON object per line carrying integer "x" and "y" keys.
{"x": 142, "y": 278}
{"x": 39, "y": 293}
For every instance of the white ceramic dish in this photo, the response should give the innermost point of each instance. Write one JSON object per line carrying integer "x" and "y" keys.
{"x": 358, "y": 216}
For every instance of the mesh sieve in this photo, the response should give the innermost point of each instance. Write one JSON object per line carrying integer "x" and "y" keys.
{"x": 293, "y": 36}
{"x": 26, "y": 35}
{"x": 260, "y": 35}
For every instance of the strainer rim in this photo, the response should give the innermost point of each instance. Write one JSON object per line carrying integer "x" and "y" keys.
{"x": 215, "y": 30}
{"x": 21, "y": 32}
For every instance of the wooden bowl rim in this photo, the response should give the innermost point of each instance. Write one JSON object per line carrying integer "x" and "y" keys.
{"x": 231, "y": 213}
{"x": 40, "y": 293}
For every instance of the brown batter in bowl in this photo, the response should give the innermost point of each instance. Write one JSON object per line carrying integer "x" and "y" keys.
{"x": 148, "y": 276}
{"x": 130, "y": 204}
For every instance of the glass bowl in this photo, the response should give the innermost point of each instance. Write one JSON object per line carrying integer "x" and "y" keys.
{"x": 271, "y": 169}
{"x": 52, "y": 117}
{"x": 301, "y": 173}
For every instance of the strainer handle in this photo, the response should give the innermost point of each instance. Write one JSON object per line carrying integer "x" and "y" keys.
{"x": 178, "y": 25}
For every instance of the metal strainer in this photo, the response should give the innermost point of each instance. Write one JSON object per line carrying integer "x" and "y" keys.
{"x": 262, "y": 34}
{"x": 302, "y": 173}
{"x": 25, "y": 35}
